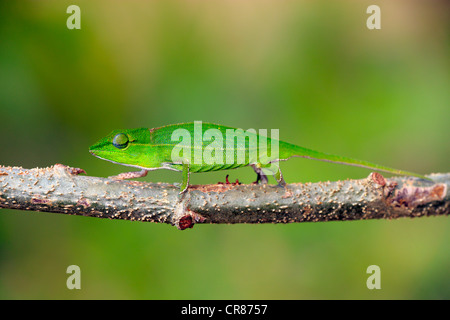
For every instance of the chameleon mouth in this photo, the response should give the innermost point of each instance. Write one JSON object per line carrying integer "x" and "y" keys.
{"x": 104, "y": 154}
{"x": 101, "y": 154}
{"x": 94, "y": 151}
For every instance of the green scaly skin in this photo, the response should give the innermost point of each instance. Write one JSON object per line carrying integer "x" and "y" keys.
{"x": 151, "y": 149}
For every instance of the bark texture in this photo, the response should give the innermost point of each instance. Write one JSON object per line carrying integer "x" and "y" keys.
{"x": 62, "y": 189}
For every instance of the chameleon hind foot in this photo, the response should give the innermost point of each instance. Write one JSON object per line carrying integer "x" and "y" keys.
{"x": 261, "y": 177}
{"x": 279, "y": 177}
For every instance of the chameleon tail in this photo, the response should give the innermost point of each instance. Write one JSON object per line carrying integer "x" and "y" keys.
{"x": 291, "y": 150}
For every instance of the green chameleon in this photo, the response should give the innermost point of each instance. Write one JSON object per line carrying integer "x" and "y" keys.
{"x": 204, "y": 147}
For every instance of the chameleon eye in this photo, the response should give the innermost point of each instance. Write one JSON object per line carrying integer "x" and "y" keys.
{"x": 120, "y": 141}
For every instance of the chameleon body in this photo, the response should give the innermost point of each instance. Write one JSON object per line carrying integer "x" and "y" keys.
{"x": 202, "y": 147}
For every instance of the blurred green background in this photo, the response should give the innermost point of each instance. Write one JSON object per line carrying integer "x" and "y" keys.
{"x": 309, "y": 68}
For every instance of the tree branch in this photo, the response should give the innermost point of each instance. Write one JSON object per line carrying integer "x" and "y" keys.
{"x": 61, "y": 189}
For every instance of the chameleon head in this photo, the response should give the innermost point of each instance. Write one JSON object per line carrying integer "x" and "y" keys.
{"x": 127, "y": 147}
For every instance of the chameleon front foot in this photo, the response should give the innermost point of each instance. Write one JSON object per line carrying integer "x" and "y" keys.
{"x": 185, "y": 183}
